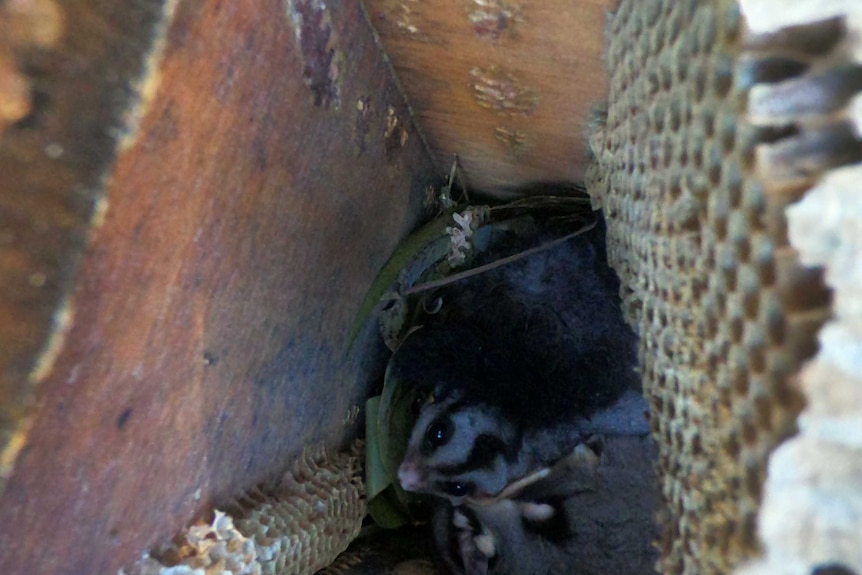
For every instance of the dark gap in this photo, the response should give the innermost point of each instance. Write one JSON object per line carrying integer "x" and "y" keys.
{"x": 815, "y": 39}
{"x": 753, "y": 70}
{"x": 772, "y": 134}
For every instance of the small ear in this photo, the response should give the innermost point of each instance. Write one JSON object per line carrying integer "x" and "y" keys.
{"x": 596, "y": 443}
{"x": 587, "y": 454}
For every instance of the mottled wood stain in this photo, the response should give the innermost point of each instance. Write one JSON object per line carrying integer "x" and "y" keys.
{"x": 505, "y": 84}
{"x": 211, "y": 309}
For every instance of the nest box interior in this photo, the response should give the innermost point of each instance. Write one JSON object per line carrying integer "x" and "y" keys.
{"x": 195, "y": 197}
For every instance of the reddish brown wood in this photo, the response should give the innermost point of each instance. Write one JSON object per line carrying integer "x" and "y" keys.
{"x": 64, "y": 73}
{"x": 211, "y": 309}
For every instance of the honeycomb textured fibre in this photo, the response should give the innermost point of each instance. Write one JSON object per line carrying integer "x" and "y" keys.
{"x": 295, "y": 528}
{"x": 811, "y": 516}
{"x": 711, "y": 132}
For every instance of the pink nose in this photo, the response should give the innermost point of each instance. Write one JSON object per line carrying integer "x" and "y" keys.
{"x": 410, "y": 477}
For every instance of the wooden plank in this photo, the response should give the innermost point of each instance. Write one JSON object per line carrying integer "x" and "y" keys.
{"x": 236, "y": 233}
{"x": 505, "y": 84}
{"x": 63, "y": 88}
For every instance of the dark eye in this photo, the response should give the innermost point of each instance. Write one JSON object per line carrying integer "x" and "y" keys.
{"x": 457, "y": 488}
{"x": 439, "y": 433}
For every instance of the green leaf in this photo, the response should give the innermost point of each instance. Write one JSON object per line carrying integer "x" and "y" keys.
{"x": 422, "y": 249}
{"x": 395, "y": 421}
{"x": 388, "y": 422}
{"x": 376, "y": 478}
{"x": 430, "y": 244}
{"x": 387, "y": 511}
{"x": 422, "y": 258}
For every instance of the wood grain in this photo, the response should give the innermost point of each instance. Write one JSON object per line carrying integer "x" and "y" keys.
{"x": 208, "y": 317}
{"x": 505, "y": 84}
{"x": 59, "y": 128}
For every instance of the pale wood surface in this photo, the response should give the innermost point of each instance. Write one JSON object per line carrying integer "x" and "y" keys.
{"x": 546, "y": 57}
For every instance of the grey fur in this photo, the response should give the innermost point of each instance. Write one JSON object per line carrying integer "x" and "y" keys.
{"x": 535, "y": 354}
{"x": 529, "y": 361}
{"x": 604, "y": 522}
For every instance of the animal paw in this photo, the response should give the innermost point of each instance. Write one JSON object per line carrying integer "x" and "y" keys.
{"x": 472, "y": 536}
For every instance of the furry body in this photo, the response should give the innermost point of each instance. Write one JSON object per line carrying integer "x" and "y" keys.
{"x": 597, "y": 521}
{"x": 521, "y": 359}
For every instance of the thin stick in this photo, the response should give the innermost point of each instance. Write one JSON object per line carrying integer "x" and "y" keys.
{"x": 513, "y": 488}
{"x": 418, "y": 288}
{"x": 458, "y": 172}
{"x": 529, "y": 203}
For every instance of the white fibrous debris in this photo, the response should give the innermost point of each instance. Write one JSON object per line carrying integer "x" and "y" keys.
{"x": 459, "y": 237}
{"x": 206, "y": 549}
